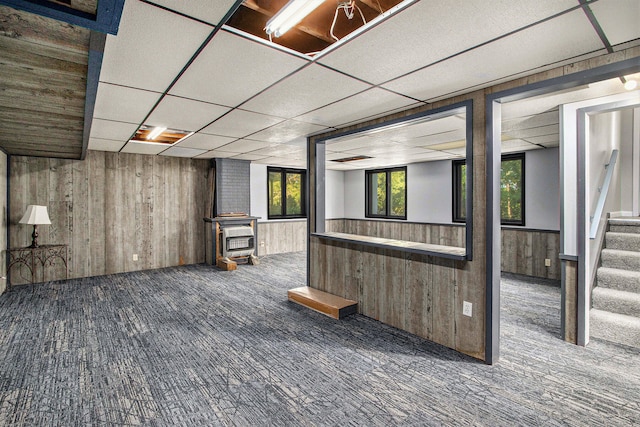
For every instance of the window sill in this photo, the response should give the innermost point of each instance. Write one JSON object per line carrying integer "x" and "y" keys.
{"x": 441, "y": 251}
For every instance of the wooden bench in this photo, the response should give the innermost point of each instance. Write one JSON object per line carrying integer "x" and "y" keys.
{"x": 322, "y": 302}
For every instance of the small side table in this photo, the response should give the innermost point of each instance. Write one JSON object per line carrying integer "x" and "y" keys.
{"x": 30, "y": 259}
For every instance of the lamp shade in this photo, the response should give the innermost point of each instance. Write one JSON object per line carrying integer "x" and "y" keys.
{"x": 35, "y": 215}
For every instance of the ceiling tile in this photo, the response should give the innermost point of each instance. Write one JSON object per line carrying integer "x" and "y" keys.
{"x": 143, "y": 148}
{"x": 388, "y": 151}
{"x": 205, "y": 10}
{"x": 282, "y": 150}
{"x": 287, "y": 131}
{"x": 351, "y": 142}
{"x": 433, "y": 30}
{"x": 231, "y": 69}
{"x": 439, "y": 138}
{"x": 245, "y": 146}
{"x": 283, "y": 161}
{"x": 365, "y": 105}
{"x": 123, "y": 104}
{"x": 240, "y": 123}
{"x": 205, "y": 142}
{"x": 567, "y": 36}
{"x": 619, "y": 19}
{"x": 308, "y": 89}
{"x": 184, "y": 114}
{"x": 534, "y": 131}
{"x": 105, "y": 144}
{"x": 550, "y": 140}
{"x": 107, "y": 129}
{"x": 151, "y": 47}
{"x": 216, "y": 153}
{"x": 182, "y": 152}
{"x": 249, "y": 156}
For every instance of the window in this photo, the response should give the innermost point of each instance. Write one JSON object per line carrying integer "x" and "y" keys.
{"x": 386, "y": 193}
{"x": 511, "y": 190}
{"x": 460, "y": 190}
{"x": 286, "y": 193}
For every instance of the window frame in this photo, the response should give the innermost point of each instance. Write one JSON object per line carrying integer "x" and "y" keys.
{"x": 368, "y": 199}
{"x": 521, "y": 157}
{"x": 283, "y": 171}
{"x": 455, "y": 167}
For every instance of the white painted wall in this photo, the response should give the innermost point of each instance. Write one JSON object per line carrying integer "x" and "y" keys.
{"x": 430, "y": 191}
{"x": 354, "y": 194}
{"x": 542, "y": 189}
{"x": 334, "y": 203}
{"x": 259, "y": 191}
{"x": 334, "y": 194}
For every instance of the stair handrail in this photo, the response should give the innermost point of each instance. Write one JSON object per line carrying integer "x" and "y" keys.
{"x": 604, "y": 190}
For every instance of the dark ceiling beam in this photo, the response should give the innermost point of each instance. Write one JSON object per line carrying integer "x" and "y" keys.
{"x": 106, "y": 20}
{"x": 96, "y": 53}
{"x": 251, "y": 4}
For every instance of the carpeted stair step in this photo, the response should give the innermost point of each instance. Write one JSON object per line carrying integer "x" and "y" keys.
{"x": 621, "y": 280}
{"x": 624, "y": 260}
{"x": 615, "y": 301}
{"x": 624, "y": 225}
{"x": 614, "y": 327}
{"x": 622, "y": 241}
{"x": 322, "y": 302}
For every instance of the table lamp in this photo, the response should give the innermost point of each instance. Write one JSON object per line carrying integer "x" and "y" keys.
{"x": 35, "y": 215}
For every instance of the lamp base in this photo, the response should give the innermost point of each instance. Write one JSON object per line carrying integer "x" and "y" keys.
{"x": 34, "y": 237}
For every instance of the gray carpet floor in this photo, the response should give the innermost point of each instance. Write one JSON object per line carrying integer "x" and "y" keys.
{"x": 195, "y": 346}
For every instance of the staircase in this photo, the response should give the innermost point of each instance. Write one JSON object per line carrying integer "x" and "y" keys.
{"x": 615, "y": 312}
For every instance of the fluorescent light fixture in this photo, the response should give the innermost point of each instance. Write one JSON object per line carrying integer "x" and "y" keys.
{"x": 292, "y": 13}
{"x": 156, "y": 132}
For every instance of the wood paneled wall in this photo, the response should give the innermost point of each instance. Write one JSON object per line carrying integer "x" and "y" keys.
{"x": 437, "y": 234}
{"x": 112, "y": 206}
{"x": 282, "y": 236}
{"x": 523, "y": 251}
{"x": 43, "y": 64}
{"x": 3, "y": 221}
{"x": 416, "y": 293}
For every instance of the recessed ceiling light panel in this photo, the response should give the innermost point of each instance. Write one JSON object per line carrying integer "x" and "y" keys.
{"x": 159, "y": 135}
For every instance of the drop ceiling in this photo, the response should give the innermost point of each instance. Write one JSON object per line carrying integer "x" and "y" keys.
{"x": 176, "y": 64}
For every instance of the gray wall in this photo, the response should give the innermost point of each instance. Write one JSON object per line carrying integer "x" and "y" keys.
{"x": 111, "y": 206}
{"x": 430, "y": 192}
{"x": 542, "y": 189}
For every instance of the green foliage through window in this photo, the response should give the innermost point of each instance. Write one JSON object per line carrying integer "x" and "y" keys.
{"x": 511, "y": 190}
{"x": 386, "y": 193}
{"x": 285, "y": 193}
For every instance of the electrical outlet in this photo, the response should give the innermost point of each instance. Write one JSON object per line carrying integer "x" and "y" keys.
{"x": 467, "y": 308}
{"x": 547, "y": 262}
{"x": 135, "y": 257}
{"x": 262, "y": 244}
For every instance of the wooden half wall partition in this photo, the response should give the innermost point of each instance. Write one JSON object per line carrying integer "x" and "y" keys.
{"x": 420, "y": 293}
{"x": 524, "y": 251}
